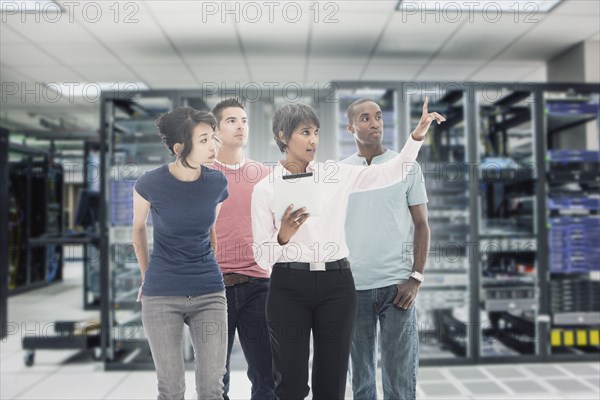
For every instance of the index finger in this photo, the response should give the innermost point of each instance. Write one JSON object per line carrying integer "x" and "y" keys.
{"x": 396, "y": 299}
{"x": 425, "y": 105}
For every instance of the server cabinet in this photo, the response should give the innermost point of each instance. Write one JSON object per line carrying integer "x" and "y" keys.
{"x": 571, "y": 119}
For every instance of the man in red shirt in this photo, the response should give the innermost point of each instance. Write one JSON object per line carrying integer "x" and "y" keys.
{"x": 246, "y": 283}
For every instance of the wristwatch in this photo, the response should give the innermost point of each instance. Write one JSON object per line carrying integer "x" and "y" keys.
{"x": 417, "y": 276}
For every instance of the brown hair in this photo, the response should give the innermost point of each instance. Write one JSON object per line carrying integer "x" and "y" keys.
{"x": 231, "y": 102}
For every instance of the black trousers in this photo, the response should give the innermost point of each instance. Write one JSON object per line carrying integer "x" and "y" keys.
{"x": 299, "y": 302}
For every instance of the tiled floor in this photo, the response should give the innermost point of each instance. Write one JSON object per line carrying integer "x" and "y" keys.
{"x": 52, "y": 377}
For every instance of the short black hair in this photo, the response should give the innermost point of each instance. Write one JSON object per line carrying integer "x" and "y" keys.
{"x": 217, "y": 111}
{"x": 288, "y": 117}
{"x": 177, "y": 126}
{"x": 350, "y": 109}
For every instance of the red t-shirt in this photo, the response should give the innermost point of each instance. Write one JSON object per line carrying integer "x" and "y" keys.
{"x": 234, "y": 224}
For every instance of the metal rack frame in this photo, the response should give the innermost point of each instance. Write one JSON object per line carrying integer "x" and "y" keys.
{"x": 4, "y": 182}
{"x": 546, "y": 140}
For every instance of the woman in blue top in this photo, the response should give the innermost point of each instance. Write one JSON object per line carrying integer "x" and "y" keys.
{"x": 181, "y": 281}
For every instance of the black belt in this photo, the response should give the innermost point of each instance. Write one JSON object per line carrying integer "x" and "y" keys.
{"x": 329, "y": 266}
{"x": 233, "y": 279}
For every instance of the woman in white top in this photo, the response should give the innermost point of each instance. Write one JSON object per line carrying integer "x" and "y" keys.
{"x": 311, "y": 286}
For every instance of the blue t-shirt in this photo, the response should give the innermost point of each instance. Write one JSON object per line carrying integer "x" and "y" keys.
{"x": 379, "y": 227}
{"x": 182, "y": 261}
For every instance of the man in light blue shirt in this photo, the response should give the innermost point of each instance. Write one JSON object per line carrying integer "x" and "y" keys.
{"x": 387, "y": 278}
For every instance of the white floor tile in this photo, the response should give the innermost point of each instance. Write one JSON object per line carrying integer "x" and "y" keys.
{"x": 449, "y": 397}
{"x": 570, "y": 385}
{"x": 15, "y": 383}
{"x": 593, "y": 382}
{"x": 579, "y": 396}
{"x": 44, "y": 362}
{"x": 75, "y": 386}
{"x": 9, "y": 346}
{"x": 467, "y": 373}
{"x": 137, "y": 385}
{"x": 551, "y": 396}
{"x": 442, "y": 389}
{"x": 82, "y": 368}
{"x": 240, "y": 385}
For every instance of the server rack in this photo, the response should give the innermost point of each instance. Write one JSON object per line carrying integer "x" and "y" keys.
{"x": 443, "y": 303}
{"x": 130, "y": 147}
{"x": 38, "y": 239}
{"x": 507, "y": 234}
{"x": 573, "y": 222}
{"x": 35, "y": 211}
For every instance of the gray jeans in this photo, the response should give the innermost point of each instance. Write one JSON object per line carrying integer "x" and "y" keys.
{"x": 206, "y": 316}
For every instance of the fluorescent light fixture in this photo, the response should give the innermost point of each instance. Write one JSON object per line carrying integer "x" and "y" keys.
{"x": 18, "y": 6}
{"x": 519, "y": 6}
{"x": 369, "y": 93}
{"x": 92, "y": 90}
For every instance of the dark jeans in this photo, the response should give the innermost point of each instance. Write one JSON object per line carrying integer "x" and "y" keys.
{"x": 246, "y": 313}
{"x": 299, "y": 302}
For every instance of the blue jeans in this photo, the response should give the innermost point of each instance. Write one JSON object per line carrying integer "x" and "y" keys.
{"x": 206, "y": 316}
{"x": 399, "y": 346}
{"x": 246, "y": 312}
